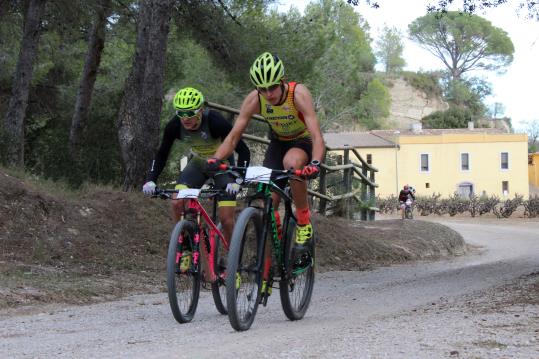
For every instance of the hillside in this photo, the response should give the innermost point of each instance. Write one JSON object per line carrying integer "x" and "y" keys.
{"x": 409, "y": 104}
{"x": 101, "y": 243}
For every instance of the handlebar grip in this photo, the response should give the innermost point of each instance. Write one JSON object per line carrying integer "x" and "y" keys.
{"x": 223, "y": 167}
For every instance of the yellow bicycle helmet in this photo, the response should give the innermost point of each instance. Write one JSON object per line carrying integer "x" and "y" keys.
{"x": 267, "y": 70}
{"x": 188, "y": 98}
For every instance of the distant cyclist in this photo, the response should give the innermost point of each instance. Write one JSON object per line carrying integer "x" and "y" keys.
{"x": 203, "y": 130}
{"x": 404, "y": 194}
{"x": 296, "y": 139}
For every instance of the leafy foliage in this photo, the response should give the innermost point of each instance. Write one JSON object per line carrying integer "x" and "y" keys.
{"x": 531, "y": 207}
{"x": 389, "y": 50}
{"x": 463, "y": 42}
{"x": 456, "y": 204}
{"x": 506, "y": 209}
{"x": 428, "y": 82}
{"x": 454, "y": 117}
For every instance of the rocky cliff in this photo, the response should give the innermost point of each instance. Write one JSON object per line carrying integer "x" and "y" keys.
{"x": 409, "y": 104}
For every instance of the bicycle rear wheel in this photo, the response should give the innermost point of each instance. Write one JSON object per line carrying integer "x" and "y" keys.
{"x": 296, "y": 286}
{"x": 244, "y": 276}
{"x": 183, "y": 283}
{"x": 218, "y": 288}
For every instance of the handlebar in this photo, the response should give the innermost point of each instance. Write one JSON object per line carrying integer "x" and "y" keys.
{"x": 164, "y": 193}
{"x": 231, "y": 169}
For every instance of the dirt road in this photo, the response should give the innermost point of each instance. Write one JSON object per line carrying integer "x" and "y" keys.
{"x": 459, "y": 308}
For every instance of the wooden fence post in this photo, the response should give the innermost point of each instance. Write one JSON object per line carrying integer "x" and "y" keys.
{"x": 322, "y": 189}
{"x": 347, "y": 173}
{"x": 364, "y": 194}
{"x": 372, "y": 197}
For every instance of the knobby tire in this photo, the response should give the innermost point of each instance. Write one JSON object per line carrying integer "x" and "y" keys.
{"x": 183, "y": 288}
{"x": 296, "y": 289}
{"x": 218, "y": 288}
{"x": 244, "y": 279}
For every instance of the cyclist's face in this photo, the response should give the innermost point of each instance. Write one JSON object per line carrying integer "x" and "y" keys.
{"x": 272, "y": 94}
{"x": 192, "y": 123}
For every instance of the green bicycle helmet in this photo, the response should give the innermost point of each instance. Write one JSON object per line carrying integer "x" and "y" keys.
{"x": 267, "y": 70}
{"x": 188, "y": 98}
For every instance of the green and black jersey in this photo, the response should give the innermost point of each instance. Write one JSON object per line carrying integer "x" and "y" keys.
{"x": 203, "y": 142}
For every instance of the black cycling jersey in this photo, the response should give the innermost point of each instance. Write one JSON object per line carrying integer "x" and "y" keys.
{"x": 213, "y": 129}
{"x": 403, "y": 195}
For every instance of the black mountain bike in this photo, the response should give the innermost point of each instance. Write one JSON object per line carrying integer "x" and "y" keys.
{"x": 259, "y": 255}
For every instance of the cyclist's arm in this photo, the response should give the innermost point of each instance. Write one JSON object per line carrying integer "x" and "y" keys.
{"x": 164, "y": 150}
{"x": 304, "y": 103}
{"x": 220, "y": 128}
{"x": 249, "y": 107}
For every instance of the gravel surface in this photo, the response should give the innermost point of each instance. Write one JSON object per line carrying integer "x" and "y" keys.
{"x": 466, "y": 307}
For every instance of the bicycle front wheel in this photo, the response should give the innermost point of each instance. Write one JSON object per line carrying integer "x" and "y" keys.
{"x": 218, "y": 288}
{"x": 244, "y": 275}
{"x": 183, "y": 280}
{"x": 408, "y": 213}
{"x": 296, "y": 286}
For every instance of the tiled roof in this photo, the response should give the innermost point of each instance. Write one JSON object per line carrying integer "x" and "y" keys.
{"x": 386, "y": 138}
{"x": 355, "y": 140}
{"x": 390, "y": 134}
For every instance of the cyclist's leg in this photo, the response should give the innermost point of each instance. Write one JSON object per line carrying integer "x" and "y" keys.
{"x": 191, "y": 177}
{"x": 274, "y": 160}
{"x": 296, "y": 157}
{"x": 226, "y": 205}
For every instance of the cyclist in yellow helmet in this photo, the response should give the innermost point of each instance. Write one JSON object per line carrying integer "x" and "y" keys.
{"x": 203, "y": 130}
{"x": 296, "y": 139}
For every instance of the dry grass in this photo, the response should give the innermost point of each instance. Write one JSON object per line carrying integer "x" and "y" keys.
{"x": 100, "y": 244}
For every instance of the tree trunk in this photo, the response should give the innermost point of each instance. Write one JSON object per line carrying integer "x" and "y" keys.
{"x": 86, "y": 87}
{"x": 16, "y": 111}
{"x": 138, "y": 122}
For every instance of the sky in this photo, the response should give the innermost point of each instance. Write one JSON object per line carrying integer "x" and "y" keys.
{"x": 517, "y": 88}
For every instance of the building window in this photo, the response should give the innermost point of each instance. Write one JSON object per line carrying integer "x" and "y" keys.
{"x": 505, "y": 188}
{"x": 369, "y": 158}
{"x": 465, "y": 161}
{"x": 465, "y": 189}
{"x": 504, "y": 163}
{"x": 427, "y": 185}
{"x": 424, "y": 162}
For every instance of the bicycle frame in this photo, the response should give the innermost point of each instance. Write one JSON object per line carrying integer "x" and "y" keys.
{"x": 194, "y": 209}
{"x": 264, "y": 192}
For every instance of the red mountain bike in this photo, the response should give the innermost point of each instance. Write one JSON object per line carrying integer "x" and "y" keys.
{"x": 195, "y": 234}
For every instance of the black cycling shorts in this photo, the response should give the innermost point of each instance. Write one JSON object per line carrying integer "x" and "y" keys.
{"x": 193, "y": 176}
{"x": 278, "y": 149}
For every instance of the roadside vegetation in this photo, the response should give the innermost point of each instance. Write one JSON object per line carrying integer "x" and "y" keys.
{"x": 472, "y": 206}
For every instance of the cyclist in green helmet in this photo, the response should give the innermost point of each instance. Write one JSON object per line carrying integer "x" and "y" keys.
{"x": 296, "y": 139}
{"x": 203, "y": 130}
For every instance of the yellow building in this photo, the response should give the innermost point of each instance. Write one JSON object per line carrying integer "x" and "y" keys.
{"x": 480, "y": 161}
{"x": 533, "y": 168}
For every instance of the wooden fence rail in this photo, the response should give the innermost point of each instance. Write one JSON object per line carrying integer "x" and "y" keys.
{"x": 353, "y": 169}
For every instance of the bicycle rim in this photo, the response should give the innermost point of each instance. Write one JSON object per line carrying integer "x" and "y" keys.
{"x": 243, "y": 278}
{"x": 296, "y": 287}
{"x": 183, "y": 285}
{"x": 218, "y": 288}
